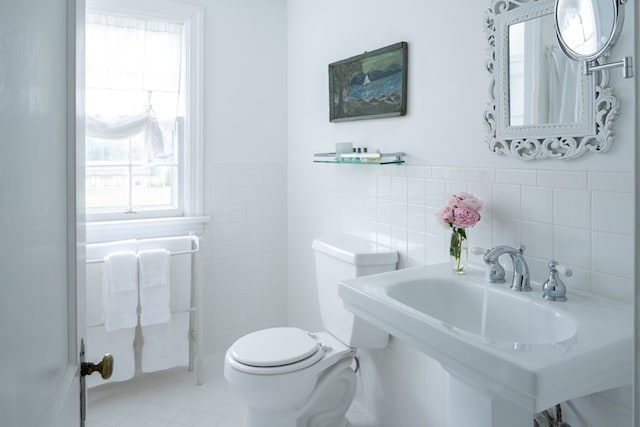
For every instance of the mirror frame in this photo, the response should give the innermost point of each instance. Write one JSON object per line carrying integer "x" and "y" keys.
{"x": 558, "y": 141}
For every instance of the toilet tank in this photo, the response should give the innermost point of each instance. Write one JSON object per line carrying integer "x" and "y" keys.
{"x": 339, "y": 257}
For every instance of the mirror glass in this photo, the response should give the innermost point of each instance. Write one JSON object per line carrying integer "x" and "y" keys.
{"x": 543, "y": 84}
{"x": 543, "y": 104}
{"x": 586, "y": 27}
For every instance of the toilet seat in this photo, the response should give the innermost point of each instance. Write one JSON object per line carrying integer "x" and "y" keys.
{"x": 275, "y": 351}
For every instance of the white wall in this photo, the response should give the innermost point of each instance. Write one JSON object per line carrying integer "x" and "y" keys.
{"x": 557, "y": 209}
{"x": 243, "y": 256}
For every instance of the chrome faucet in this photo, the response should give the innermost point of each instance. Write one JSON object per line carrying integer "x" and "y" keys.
{"x": 520, "y": 267}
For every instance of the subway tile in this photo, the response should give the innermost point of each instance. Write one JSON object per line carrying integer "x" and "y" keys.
{"x": 613, "y": 212}
{"x": 416, "y": 191}
{"x": 484, "y": 192}
{"x": 478, "y": 175}
{"x": 537, "y": 204}
{"x": 399, "y": 214}
{"x": 572, "y": 246}
{"x": 481, "y": 234}
{"x": 613, "y": 254}
{"x": 562, "y": 179}
{"x": 383, "y": 184}
{"x": 417, "y": 246}
{"x": 384, "y": 211}
{"x": 433, "y": 225}
{"x": 399, "y": 189}
{"x": 437, "y": 249}
{"x": 418, "y": 171}
{"x": 372, "y": 186}
{"x": 538, "y": 238}
{"x": 383, "y": 234}
{"x": 611, "y": 181}
{"x": 416, "y": 218}
{"x": 506, "y": 202}
{"x": 435, "y": 193}
{"x": 516, "y": 176}
{"x": 572, "y": 208}
{"x": 394, "y": 170}
{"x": 369, "y": 210}
{"x": 614, "y": 287}
{"x": 446, "y": 173}
{"x": 580, "y": 280}
{"x": 507, "y": 232}
{"x": 453, "y": 187}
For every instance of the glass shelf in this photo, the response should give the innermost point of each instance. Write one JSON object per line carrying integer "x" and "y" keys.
{"x": 360, "y": 158}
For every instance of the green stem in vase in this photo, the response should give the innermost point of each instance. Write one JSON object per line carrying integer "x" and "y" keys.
{"x": 458, "y": 235}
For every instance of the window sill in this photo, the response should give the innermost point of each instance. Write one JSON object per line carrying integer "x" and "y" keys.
{"x": 108, "y": 231}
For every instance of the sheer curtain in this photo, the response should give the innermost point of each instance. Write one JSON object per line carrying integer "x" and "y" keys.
{"x": 564, "y": 88}
{"x": 134, "y": 79}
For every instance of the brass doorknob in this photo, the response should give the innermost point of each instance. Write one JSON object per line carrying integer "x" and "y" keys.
{"x": 105, "y": 367}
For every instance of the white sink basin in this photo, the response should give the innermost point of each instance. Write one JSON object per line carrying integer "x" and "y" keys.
{"x": 486, "y": 313}
{"x": 516, "y": 345}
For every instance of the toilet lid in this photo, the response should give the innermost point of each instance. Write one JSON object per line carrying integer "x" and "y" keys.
{"x": 274, "y": 347}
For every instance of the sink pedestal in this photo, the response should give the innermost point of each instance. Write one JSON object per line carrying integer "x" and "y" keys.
{"x": 468, "y": 405}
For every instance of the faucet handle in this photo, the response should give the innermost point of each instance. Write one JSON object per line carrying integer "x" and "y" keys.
{"x": 561, "y": 268}
{"x": 479, "y": 250}
{"x": 554, "y": 288}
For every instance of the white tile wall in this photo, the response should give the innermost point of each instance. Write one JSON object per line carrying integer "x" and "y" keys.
{"x": 243, "y": 252}
{"x": 581, "y": 219}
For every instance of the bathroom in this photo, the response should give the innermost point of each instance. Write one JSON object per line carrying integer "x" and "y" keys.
{"x": 266, "y": 200}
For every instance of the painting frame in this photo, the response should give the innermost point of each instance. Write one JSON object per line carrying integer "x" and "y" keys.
{"x": 371, "y": 85}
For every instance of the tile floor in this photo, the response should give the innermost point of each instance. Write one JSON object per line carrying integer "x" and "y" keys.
{"x": 173, "y": 399}
{"x": 164, "y": 399}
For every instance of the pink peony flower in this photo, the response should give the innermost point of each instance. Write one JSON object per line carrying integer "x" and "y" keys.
{"x": 462, "y": 211}
{"x": 465, "y": 217}
{"x": 465, "y": 200}
{"x": 446, "y": 216}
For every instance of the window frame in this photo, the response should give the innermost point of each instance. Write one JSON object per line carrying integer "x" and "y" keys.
{"x": 190, "y": 180}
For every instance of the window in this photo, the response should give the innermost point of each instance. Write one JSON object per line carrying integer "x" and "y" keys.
{"x": 143, "y": 133}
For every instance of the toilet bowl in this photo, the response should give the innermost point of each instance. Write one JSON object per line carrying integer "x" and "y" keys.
{"x": 279, "y": 395}
{"x": 292, "y": 378}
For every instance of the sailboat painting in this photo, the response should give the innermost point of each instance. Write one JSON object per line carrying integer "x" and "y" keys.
{"x": 370, "y": 85}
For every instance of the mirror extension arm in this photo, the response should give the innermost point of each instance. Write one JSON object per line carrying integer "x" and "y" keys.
{"x": 626, "y": 64}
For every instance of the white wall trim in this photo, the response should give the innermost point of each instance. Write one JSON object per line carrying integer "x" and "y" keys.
{"x": 108, "y": 231}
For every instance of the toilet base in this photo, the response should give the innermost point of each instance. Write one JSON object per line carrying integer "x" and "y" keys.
{"x": 326, "y": 407}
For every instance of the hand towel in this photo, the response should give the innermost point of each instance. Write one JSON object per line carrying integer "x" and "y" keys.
{"x": 166, "y": 346}
{"x": 155, "y": 286}
{"x": 181, "y": 265}
{"x": 120, "y": 290}
{"x": 120, "y": 344}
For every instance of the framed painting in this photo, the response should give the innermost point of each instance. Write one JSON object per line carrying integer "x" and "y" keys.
{"x": 370, "y": 85}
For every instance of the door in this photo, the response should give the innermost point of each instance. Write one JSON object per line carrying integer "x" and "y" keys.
{"x": 39, "y": 288}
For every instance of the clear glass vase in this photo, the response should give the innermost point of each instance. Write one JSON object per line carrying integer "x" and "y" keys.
{"x": 458, "y": 250}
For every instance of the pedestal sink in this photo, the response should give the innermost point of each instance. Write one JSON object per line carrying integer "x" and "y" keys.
{"x": 509, "y": 354}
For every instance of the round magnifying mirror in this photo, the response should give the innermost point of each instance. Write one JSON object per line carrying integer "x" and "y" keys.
{"x": 586, "y": 29}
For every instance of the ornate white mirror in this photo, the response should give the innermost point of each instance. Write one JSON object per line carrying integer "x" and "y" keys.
{"x": 542, "y": 104}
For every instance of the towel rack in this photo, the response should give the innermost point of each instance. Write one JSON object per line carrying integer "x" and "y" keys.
{"x": 192, "y": 251}
{"x": 195, "y": 350}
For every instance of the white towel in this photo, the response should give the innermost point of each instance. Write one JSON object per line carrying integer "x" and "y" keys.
{"x": 120, "y": 344}
{"x": 155, "y": 286}
{"x": 120, "y": 290}
{"x": 166, "y": 346}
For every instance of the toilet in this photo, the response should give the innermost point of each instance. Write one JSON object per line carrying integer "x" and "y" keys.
{"x": 292, "y": 378}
